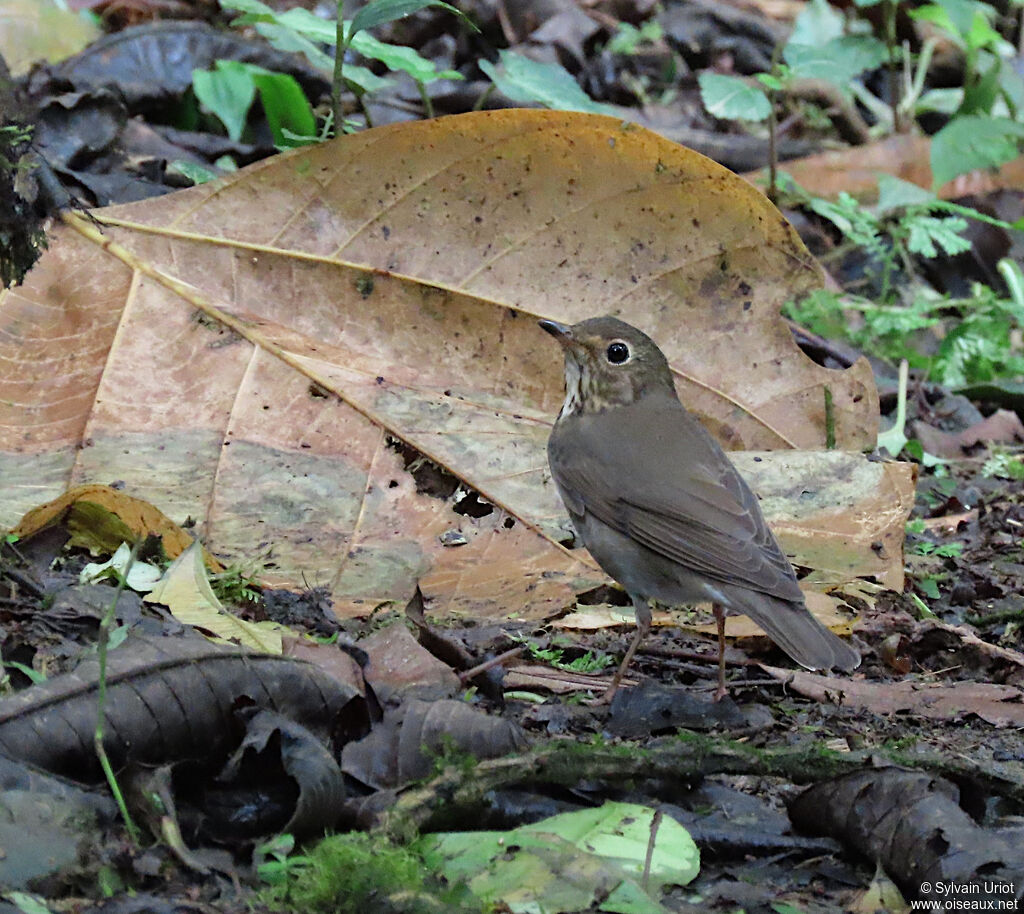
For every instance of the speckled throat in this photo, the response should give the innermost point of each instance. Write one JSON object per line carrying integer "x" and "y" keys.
{"x": 574, "y": 381}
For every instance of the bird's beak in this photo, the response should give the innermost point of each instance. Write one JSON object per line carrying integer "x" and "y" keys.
{"x": 561, "y": 332}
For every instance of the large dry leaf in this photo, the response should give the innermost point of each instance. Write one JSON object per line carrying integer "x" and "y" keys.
{"x": 906, "y": 156}
{"x": 400, "y": 269}
{"x": 34, "y": 30}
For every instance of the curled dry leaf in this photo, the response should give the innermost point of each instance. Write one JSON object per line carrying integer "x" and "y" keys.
{"x": 403, "y": 746}
{"x": 913, "y": 825}
{"x": 167, "y": 699}
{"x": 246, "y": 352}
{"x": 138, "y": 519}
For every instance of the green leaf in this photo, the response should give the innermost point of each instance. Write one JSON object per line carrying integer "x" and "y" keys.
{"x": 855, "y": 221}
{"x": 377, "y": 12}
{"x": 625, "y": 41}
{"x": 949, "y": 550}
{"x": 980, "y": 96}
{"x": 361, "y": 79}
{"x": 818, "y": 23}
{"x": 251, "y": 8}
{"x": 1011, "y": 85}
{"x": 733, "y": 99}
{"x": 525, "y": 80}
{"x": 945, "y": 231}
{"x": 197, "y": 174}
{"x": 974, "y": 141}
{"x": 27, "y": 904}
{"x": 837, "y": 61}
{"x": 285, "y": 106}
{"x": 308, "y": 24}
{"x": 396, "y": 57}
{"x": 1002, "y": 465}
{"x": 286, "y": 39}
{"x": 939, "y": 16}
{"x": 33, "y": 675}
{"x": 982, "y": 35}
{"x": 227, "y": 92}
{"x": 895, "y": 193}
{"x": 923, "y": 612}
{"x": 944, "y": 101}
{"x": 571, "y": 861}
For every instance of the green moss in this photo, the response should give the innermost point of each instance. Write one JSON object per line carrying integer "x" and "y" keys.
{"x": 356, "y": 873}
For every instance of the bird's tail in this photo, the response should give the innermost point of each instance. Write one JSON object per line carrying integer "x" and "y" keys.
{"x": 792, "y": 627}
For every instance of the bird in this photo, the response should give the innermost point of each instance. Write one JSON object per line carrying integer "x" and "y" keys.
{"x": 660, "y": 506}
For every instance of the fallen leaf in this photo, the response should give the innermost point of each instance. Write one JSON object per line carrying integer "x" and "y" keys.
{"x": 34, "y": 30}
{"x": 248, "y": 352}
{"x": 906, "y": 156}
{"x": 133, "y": 515}
{"x": 185, "y": 591}
{"x": 1002, "y": 427}
{"x": 999, "y": 705}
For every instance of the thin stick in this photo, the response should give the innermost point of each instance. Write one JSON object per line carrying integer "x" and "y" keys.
{"x": 488, "y": 664}
{"x": 655, "y": 825}
{"x": 830, "y": 421}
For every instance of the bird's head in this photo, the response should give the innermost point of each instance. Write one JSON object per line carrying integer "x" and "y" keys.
{"x": 608, "y": 363}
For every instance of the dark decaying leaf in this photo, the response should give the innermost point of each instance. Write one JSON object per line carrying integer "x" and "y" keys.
{"x": 151, "y": 64}
{"x": 167, "y": 699}
{"x": 402, "y": 747}
{"x": 306, "y": 759}
{"x": 654, "y": 707}
{"x": 43, "y": 823}
{"x": 912, "y": 824}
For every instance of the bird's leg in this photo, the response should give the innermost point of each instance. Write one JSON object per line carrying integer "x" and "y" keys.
{"x": 721, "y": 691}
{"x": 643, "y": 626}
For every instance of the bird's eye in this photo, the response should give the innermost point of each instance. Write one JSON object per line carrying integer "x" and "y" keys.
{"x": 617, "y": 353}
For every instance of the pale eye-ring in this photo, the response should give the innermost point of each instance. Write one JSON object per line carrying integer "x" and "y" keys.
{"x": 617, "y": 352}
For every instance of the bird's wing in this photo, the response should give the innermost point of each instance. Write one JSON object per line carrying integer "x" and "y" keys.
{"x": 673, "y": 492}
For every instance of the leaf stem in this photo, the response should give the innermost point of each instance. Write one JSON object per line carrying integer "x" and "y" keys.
{"x": 101, "y": 700}
{"x": 340, "y": 47}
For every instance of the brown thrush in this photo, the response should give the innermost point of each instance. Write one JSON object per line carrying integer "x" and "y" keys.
{"x": 660, "y": 506}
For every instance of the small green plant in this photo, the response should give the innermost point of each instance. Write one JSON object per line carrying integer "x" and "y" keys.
{"x": 1003, "y": 465}
{"x": 299, "y": 30}
{"x": 948, "y": 550}
{"x": 929, "y": 585}
{"x": 916, "y": 526}
{"x": 236, "y": 586}
{"x": 587, "y": 663}
{"x": 907, "y": 221}
{"x": 977, "y": 339}
{"x": 985, "y": 129}
{"x": 275, "y": 862}
{"x": 355, "y": 873}
{"x": 230, "y": 88}
{"x": 629, "y": 39}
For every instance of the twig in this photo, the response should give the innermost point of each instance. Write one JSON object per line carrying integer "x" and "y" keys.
{"x": 457, "y": 795}
{"x": 471, "y": 673}
{"x": 655, "y": 825}
{"x": 830, "y": 421}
